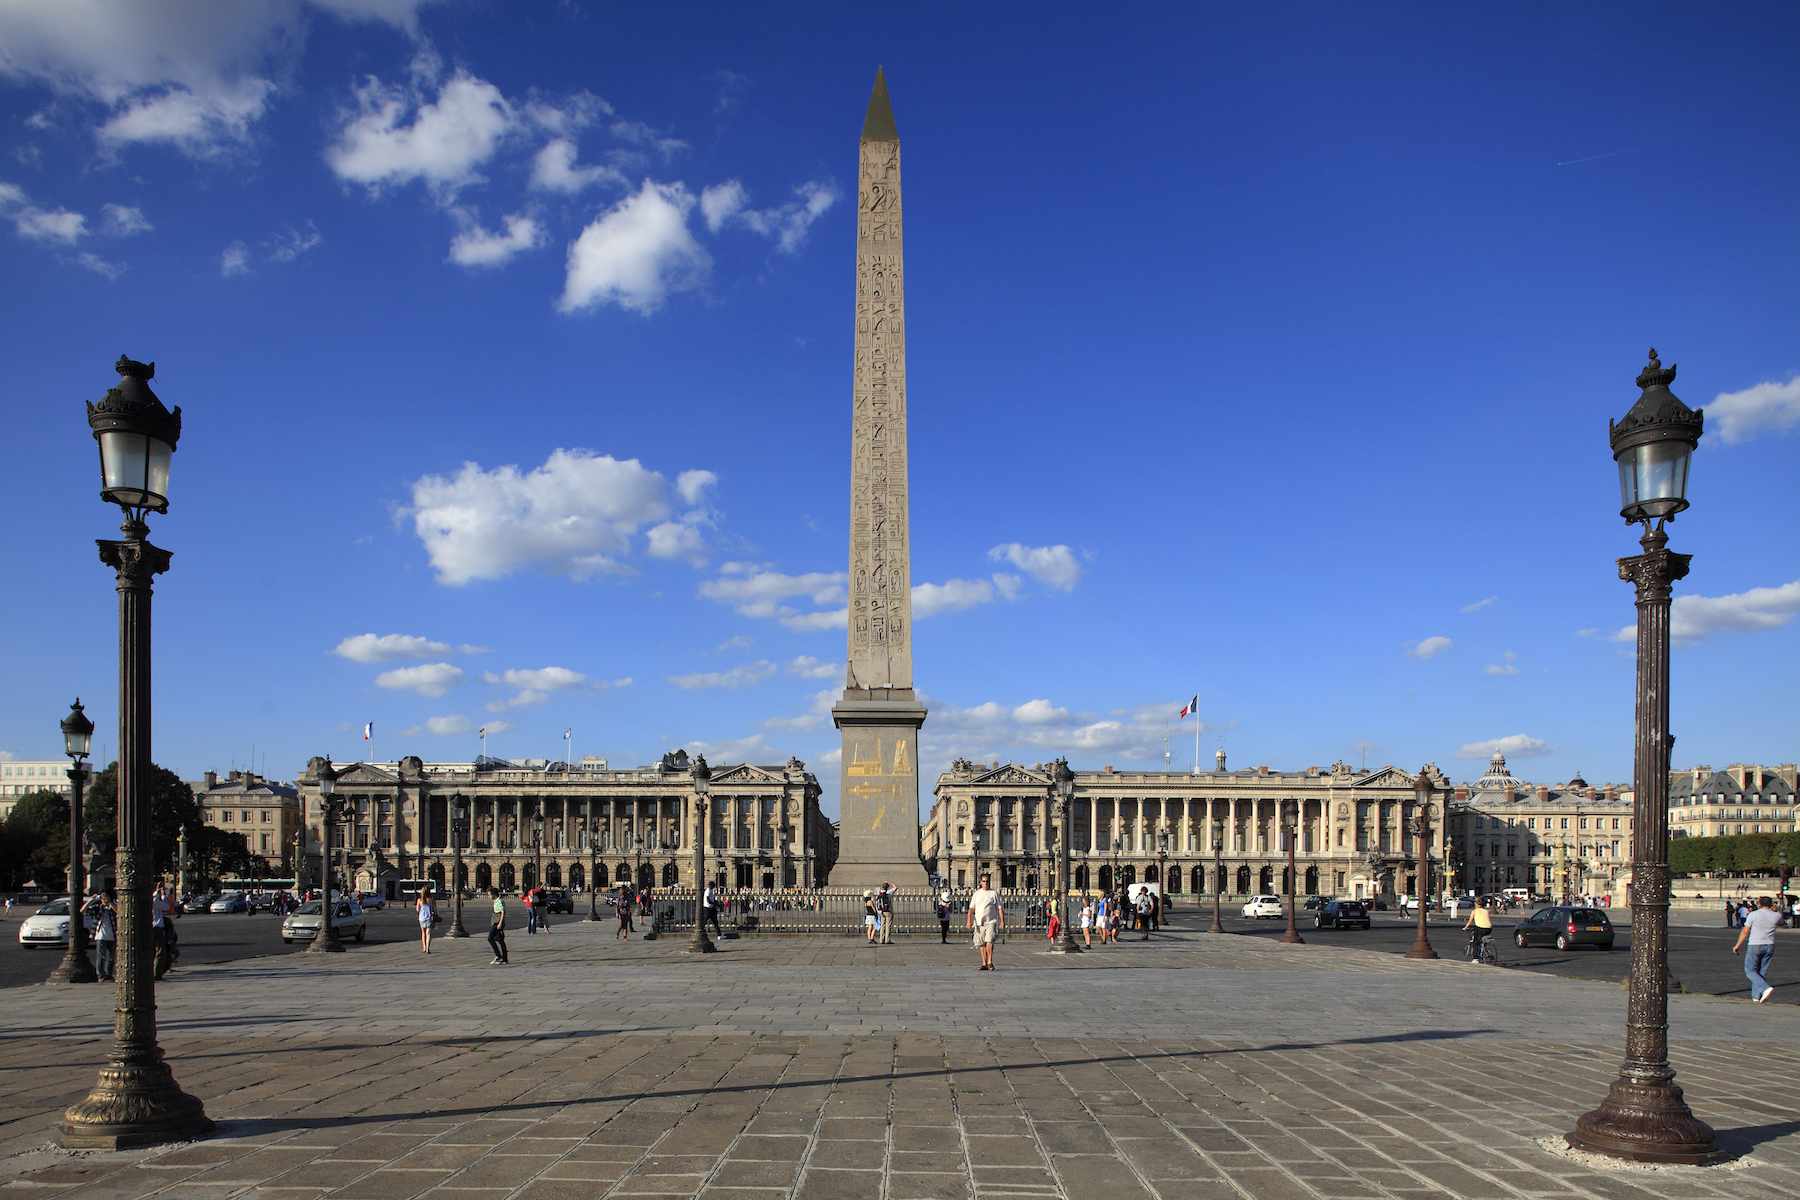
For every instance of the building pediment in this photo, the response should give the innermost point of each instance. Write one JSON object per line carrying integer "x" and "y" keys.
{"x": 365, "y": 773}
{"x": 1386, "y": 777}
{"x": 747, "y": 773}
{"x": 1012, "y": 776}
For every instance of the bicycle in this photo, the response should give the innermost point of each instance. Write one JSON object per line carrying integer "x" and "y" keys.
{"x": 1489, "y": 957}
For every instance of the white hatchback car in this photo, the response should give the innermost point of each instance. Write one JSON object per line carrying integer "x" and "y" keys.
{"x": 1264, "y": 906}
{"x": 302, "y": 925}
{"x": 48, "y": 926}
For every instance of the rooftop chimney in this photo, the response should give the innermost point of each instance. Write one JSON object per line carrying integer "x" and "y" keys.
{"x": 212, "y": 780}
{"x": 1543, "y": 793}
{"x": 1219, "y": 758}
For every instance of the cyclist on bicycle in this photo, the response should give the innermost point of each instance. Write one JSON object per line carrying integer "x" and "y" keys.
{"x": 1480, "y": 927}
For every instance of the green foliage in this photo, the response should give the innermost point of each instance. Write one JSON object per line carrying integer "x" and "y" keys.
{"x": 34, "y": 840}
{"x": 1742, "y": 853}
{"x": 172, "y": 808}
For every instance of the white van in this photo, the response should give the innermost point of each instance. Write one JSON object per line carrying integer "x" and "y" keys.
{"x": 1518, "y": 895}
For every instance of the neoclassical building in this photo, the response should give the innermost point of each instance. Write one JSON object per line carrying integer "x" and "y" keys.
{"x": 586, "y": 824}
{"x": 1743, "y": 798}
{"x": 1157, "y": 826}
{"x": 1574, "y": 839}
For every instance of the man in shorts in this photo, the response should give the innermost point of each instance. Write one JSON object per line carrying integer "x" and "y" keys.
{"x": 987, "y": 917}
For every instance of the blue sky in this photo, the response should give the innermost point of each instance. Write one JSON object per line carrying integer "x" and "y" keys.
{"x": 1265, "y": 356}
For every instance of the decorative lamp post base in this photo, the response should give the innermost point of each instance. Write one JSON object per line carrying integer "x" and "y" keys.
{"x": 701, "y": 944}
{"x": 457, "y": 930}
{"x": 325, "y": 945}
{"x": 75, "y": 967}
{"x": 1645, "y": 1122}
{"x": 136, "y": 1103}
{"x": 1292, "y": 938}
{"x": 1421, "y": 950}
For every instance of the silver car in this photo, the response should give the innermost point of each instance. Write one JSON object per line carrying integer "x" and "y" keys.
{"x": 302, "y": 925}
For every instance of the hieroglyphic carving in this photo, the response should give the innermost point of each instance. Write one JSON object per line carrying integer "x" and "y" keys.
{"x": 880, "y": 633}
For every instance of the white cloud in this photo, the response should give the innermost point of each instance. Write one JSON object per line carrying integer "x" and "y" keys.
{"x": 444, "y": 726}
{"x": 677, "y": 539}
{"x": 1696, "y": 617}
{"x": 200, "y": 124}
{"x": 720, "y": 202}
{"x": 431, "y": 679}
{"x": 759, "y": 591}
{"x": 1509, "y": 667}
{"x": 122, "y": 220}
{"x": 813, "y": 718}
{"x": 291, "y": 243}
{"x": 692, "y": 485}
{"x": 50, "y": 225}
{"x": 832, "y": 757}
{"x": 402, "y": 14}
{"x": 554, "y": 170}
{"x": 1770, "y": 406}
{"x": 533, "y": 684}
{"x": 577, "y": 513}
{"x": 1518, "y": 745}
{"x": 397, "y": 136}
{"x": 577, "y": 113}
{"x": 234, "y": 260}
{"x": 808, "y": 667}
{"x": 477, "y": 247}
{"x": 637, "y": 133}
{"x": 1007, "y": 584}
{"x": 99, "y": 266}
{"x": 737, "y": 677}
{"x": 371, "y": 647}
{"x": 1038, "y": 712}
{"x": 736, "y": 750}
{"x": 736, "y": 641}
{"x": 623, "y": 681}
{"x": 930, "y": 599}
{"x": 494, "y": 727}
{"x": 1480, "y": 604}
{"x": 636, "y": 254}
{"x": 10, "y": 194}
{"x": 1053, "y": 566}
{"x": 837, "y": 618}
{"x": 1431, "y": 647}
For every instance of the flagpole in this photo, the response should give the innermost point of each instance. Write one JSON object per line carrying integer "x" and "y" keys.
{"x": 1196, "y": 735}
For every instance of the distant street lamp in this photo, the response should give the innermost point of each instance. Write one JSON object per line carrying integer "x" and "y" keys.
{"x": 537, "y": 848}
{"x": 593, "y": 869}
{"x": 459, "y": 833}
{"x": 295, "y": 863}
{"x": 135, "y": 1102}
{"x": 702, "y": 784}
{"x": 78, "y": 736}
{"x": 332, "y": 808}
{"x": 1218, "y": 832}
{"x": 1421, "y": 828}
{"x": 1289, "y": 828}
{"x": 1162, "y": 871}
{"x": 1644, "y": 1117}
{"x": 1062, "y": 784}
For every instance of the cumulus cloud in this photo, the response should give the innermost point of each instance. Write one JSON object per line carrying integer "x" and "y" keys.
{"x": 1431, "y": 647}
{"x": 533, "y": 684}
{"x": 692, "y": 485}
{"x": 1509, "y": 667}
{"x": 737, "y": 677}
{"x": 578, "y": 513}
{"x": 734, "y": 750}
{"x": 199, "y": 123}
{"x": 430, "y": 679}
{"x": 760, "y": 591}
{"x": 478, "y": 247}
{"x": 636, "y": 254}
{"x": 786, "y": 224}
{"x": 1696, "y": 617}
{"x": 930, "y": 599}
{"x": 813, "y": 718}
{"x": 1037, "y": 712}
{"x": 1053, "y": 566}
{"x": 104, "y": 267}
{"x": 396, "y": 135}
{"x": 372, "y": 647}
{"x": 234, "y": 260}
{"x": 490, "y": 728}
{"x": 1769, "y": 407}
{"x": 1480, "y": 604}
{"x": 50, "y": 225}
{"x": 443, "y": 726}
{"x": 122, "y": 220}
{"x": 292, "y": 242}
{"x": 554, "y": 169}
{"x": 1040, "y": 727}
{"x": 1518, "y": 745}
{"x": 720, "y": 202}
{"x": 808, "y": 667}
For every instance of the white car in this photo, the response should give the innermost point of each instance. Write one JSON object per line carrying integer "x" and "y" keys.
{"x": 48, "y": 926}
{"x": 302, "y": 925}
{"x": 372, "y": 900}
{"x": 230, "y": 902}
{"x": 1265, "y": 906}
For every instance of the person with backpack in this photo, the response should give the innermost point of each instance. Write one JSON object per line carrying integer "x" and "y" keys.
{"x": 1144, "y": 907}
{"x": 943, "y": 916}
{"x": 884, "y": 908}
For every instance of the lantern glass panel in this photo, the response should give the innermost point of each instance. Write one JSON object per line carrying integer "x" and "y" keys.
{"x": 1653, "y": 479}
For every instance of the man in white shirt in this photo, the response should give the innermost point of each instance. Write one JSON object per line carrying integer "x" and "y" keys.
{"x": 987, "y": 917}
{"x": 710, "y": 901}
{"x": 1759, "y": 933}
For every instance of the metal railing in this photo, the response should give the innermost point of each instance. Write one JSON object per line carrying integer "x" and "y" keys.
{"x": 839, "y": 911}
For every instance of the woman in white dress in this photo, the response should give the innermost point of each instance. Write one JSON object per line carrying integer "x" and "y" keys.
{"x": 1087, "y": 922}
{"x": 426, "y": 914}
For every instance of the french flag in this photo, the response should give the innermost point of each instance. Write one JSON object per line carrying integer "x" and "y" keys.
{"x": 1193, "y": 706}
{"x": 369, "y": 731}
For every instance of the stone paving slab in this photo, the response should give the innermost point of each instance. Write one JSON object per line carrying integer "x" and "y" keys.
{"x": 1190, "y": 1066}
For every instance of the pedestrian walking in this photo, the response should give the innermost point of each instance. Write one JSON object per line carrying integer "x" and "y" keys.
{"x": 162, "y": 931}
{"x": 426, "y": 915}
{"x": 623, "y": 903}
{"x": 871, "y": 919}
{"x": 1053, "y": 926}
{"x": 542, "y": 908}
{"x": 1144, "y": 907}
{"x": 884, "y": 910}
{"x": 106, "y": 935}
{"x": 530, "y": 914}
{"x": 943, "y": 916}
{"x": 986, "y": 919}
{"x": 1087, "y": 922}
{"x": 1730, "y": 915}
{"x": 497, "y": 931}
{"x": 1757, "y": 941}
{"x": 710, "y": 909}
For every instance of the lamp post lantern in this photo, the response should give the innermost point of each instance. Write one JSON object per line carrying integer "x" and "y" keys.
{"x": 1290, "y": 827}
{"x": 78, "y": 736}
{"x": 332, "y": 808}
{"x": 135, "y": 1101}
{"x": 1218, "y": 832}
{"x": 459, "y": 833}
{"x": 702, "y": 783}
{"x": 1062, "y": 782}
{"x": 1421, "y": 828}
{"x": 1644, "y": 1116}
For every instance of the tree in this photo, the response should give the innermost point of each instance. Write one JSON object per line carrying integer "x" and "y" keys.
{"x": 34, "y": 840}
{"x": 172, "y": 808}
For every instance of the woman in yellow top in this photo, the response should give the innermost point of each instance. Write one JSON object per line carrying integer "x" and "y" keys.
{"x": 1481, "y": 926}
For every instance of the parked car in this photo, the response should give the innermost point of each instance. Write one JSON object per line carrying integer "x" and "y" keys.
{"x": 230, "y": 902}
{"x": 558, "y": 900}
{"x": 372, "y": 900}
{"x": 1264, "y": 906}
{"x": 1342, "y": 914}
{"x": 48, "y": 926}
{"x": 263, "y": 901}
{"x": 1314, "y": 902}
{"x": 302, "y": 925}
{"x": 198, "y": 904}
{"x": 1564, "y": 926}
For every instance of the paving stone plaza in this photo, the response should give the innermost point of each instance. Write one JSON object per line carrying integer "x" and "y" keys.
{"x": 1204, "y": 1066}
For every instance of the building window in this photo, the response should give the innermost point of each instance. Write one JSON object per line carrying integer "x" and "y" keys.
{"x": 1565, "y": 822}
{"x": 226, "y": 817}
{"x": 1584, "y": 822}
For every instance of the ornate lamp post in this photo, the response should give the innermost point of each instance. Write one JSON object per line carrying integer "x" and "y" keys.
{"x": 78, "y": 736}
{"x": 1421, "y": 828}
{"x": 593, "y": 869}
{"x": 459, "y": 832}
{"x": 637, "y": 859}
{"x": 702, "y": 782}
{"x": 1162, "y": 859}
{"x": 1644, "y": 1116}
{"x": 1218, "y": 832}
{"x": 1062, "y": 784}
{"x": 332, "y": 808}
{"x": 136, "y": 1101}
{"x": 537, "y": 848}
{"x": 1289, "y": 828}
{"x": 1115, "y": 862}
{"x": 294, "y": 861}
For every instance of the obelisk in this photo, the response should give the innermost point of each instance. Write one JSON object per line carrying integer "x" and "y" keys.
{"x": 878, "y": 835}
